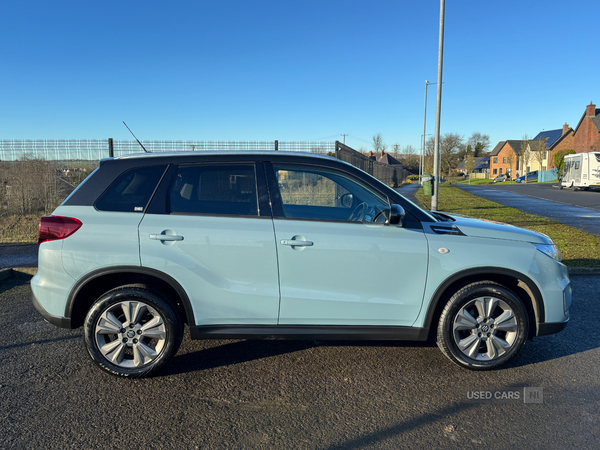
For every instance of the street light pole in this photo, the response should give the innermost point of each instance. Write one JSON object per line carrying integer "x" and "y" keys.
{"x": 427, "y": 83}
{"x": 436, "y": 156}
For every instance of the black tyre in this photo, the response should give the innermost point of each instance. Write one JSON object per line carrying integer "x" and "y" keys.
{"x": 132, "y": 332}
{"x": 483, "y": 326}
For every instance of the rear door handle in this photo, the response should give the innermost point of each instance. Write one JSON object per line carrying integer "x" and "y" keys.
{"x": 166, "y": 237}
{"x": 295, "y": 243}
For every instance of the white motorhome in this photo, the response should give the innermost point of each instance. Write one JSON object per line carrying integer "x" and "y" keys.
{"x": 581, "y": 170}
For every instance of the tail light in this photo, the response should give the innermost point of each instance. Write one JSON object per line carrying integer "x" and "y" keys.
{"x": 53, "y": 228}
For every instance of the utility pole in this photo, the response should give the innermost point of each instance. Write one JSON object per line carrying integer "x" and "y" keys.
{"x": 436, "y": 156}
{"x": 344, "y": 135}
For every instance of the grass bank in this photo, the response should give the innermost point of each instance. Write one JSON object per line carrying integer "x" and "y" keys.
{"x": 578, "y": 248}
{"x": 19, "y": 228}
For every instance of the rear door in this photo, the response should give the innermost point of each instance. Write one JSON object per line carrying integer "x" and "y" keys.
{"x": 210, "y": 229}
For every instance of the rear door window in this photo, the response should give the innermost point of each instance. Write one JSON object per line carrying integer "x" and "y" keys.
{"x": 214, "y": 190}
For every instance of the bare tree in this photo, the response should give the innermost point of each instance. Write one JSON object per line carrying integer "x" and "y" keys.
{"x": 510, "y": 161}
{"x": 470, "y": 165}
{"x": 449, "y": 146}
{"x": 540, "y": 149}
{"x": 409, "y": 158}
{"x": 525, "y": 154}
{"x": 480, "y": 143}
{"x": 378, "y": 145}
{"x": 31, "y": 186}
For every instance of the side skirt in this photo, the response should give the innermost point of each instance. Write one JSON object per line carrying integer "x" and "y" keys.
{"x": 309, "y": 332}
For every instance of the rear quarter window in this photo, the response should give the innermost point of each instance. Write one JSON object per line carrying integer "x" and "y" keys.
{"x": 131, "y": 191}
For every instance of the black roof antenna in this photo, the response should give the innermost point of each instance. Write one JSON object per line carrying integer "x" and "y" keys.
{"x": 138, "y": 141}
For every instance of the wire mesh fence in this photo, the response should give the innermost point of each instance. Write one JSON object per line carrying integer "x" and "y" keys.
{"x": 36, "y": 174}
{"x": 96, "y": 149}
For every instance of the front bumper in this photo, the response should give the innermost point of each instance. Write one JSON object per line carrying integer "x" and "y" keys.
{"x": 545, "y": 329}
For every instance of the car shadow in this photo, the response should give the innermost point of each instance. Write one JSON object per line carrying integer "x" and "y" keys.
{"x": 238, "y": 352}
{"x": 229, "y": 353}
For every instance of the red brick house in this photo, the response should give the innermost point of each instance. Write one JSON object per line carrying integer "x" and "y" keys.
{"x": 564, "y": 142}
{"x": 505, "y": 159}
{"x": 587, "y": 132}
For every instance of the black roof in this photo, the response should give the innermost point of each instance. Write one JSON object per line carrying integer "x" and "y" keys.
{"x": 551, "y": 136}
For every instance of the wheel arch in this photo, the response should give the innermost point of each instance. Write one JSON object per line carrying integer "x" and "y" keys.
{"x": 523, "y": 287}
{"x": 89, "y": 288}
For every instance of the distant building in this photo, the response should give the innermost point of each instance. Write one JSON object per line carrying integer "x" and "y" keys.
{"x": 558, "y": 140}
{"x": 482, "y": 165}
{"x": 384, "y": 158}
{"x": 587, "y": 132}
{"x": 505, "y": 158}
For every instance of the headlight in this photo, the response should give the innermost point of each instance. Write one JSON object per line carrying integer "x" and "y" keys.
{"x": 549, "y": 249}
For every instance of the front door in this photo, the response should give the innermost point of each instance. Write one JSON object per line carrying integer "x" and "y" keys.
{"x": 339, "y": 263}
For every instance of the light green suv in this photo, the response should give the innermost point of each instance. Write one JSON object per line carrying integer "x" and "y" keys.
{"x": 283, "y": 245}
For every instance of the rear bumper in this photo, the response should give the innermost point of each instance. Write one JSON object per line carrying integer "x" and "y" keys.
{"x": 62, "y": 322}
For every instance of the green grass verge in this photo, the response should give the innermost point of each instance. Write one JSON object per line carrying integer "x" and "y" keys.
{"x": 475, "y": 181}
{"x": 578, "y": 248}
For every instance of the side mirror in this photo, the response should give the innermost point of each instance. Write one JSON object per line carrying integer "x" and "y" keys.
{"x": 347, "y": 200}
{"x": 396, "y": 215}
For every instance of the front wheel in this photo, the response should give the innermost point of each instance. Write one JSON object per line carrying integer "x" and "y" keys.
{"x": 132, "y": 332}
{"x": 483, "y": 326}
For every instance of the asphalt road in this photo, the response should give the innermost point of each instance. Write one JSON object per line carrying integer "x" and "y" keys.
{"x": 296, "y": 394}
{"x": 549, "y": 191}
{"x": 18, "y": 255}
{"x": 545, "y": 201}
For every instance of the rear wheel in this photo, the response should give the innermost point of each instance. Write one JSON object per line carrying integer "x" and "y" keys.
{"x": 483, "y": 326}
{"x": 132, "y": 332}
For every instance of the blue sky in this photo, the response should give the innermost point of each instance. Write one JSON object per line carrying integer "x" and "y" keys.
{"x": 266, "y": 70}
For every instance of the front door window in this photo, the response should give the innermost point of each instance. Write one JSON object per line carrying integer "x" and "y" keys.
{"x": 308, "y": 193}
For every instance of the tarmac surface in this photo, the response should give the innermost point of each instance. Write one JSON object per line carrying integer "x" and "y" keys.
{"x": 18, "y": 255}
{"x": 298, "y": 394}
{"x": 578, "y": 209}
